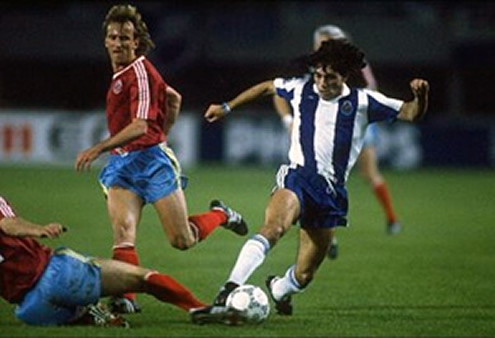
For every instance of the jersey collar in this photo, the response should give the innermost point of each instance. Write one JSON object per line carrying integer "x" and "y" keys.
{"x": 139, "y": 59}
{"x": 345, "y": 91}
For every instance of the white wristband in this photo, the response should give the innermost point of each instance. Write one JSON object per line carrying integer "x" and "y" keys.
{"x": 226, "y": 108}
{"x": 287, "y": 121}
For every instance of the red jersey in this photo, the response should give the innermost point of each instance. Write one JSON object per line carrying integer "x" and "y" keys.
{"x": 137, "y": 91}
{"x": 22, "y": 261}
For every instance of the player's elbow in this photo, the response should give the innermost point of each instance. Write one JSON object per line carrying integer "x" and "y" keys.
{"x": 4, "y": 225}
{"x": 10, "y": 226}
{"x": 174, "y": 98}
{"x": 177, "y": 99}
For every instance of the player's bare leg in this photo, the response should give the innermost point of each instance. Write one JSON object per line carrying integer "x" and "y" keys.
{"x": 119, "y": 277}
{"x": 313, "y": 247}
{"x": 369, "y": 170}
{"x": 124, "y": 208}
{"x": 184, "y": 231}
{"x": 282, "y": 210}
{"x": 368, "y": 166}
{"x": 313, "y": 244}
{"x": 172, "y": 212}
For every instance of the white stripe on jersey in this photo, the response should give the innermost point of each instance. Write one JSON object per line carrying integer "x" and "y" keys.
{"x": 360, "y": 125}
{"x": 5, "y": 209}
{"x": 325, "y": 115}
{"x": 295, "y": 151}
{"x": 143, "y": 89}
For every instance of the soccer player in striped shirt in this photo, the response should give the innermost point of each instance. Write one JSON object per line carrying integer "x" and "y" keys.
{"x": 330, "y": 120}
{"x": 367, "y": 159}
{"x": 61, "y": 287}
{"x": 141, "y": 108}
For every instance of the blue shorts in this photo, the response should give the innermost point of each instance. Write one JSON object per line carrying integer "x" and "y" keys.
{"x": 69, "y": 281}
{"x": 371, "y": 136}
{"x": 151, "y": 173}
{"x": 322, "y": 205}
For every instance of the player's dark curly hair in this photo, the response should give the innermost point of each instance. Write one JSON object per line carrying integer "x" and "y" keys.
{"x": 124, "y": 13}
{"x": 341, "y": 55}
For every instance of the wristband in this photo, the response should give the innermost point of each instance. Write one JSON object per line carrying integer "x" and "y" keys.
{"x": 226, "y": 108}
{"x": 287, "y": 121}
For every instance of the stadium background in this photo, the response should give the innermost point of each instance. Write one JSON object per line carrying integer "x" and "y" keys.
{"x": 434, "y": 279}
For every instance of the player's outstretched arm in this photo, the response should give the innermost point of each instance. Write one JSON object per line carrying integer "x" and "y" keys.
{"x": 415, "y": 109}
{"x": 19, "y": 227}
{"x": 216, "y": 111}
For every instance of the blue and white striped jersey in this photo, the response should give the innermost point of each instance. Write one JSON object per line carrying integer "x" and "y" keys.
{"x": 327, "y": 136}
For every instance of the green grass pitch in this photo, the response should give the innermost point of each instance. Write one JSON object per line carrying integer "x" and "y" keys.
{"x": 436, "y": 278}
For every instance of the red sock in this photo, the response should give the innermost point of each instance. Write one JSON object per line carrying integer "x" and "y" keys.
{"x": 129, "y": 255}
{"x": 207, "y": 222}
{"x": 167, "y": 289}
{"x": 383, "y": 196}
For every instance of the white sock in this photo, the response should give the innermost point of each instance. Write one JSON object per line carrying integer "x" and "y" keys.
{"x": 252, "y": 255}
{"x": 286, "y": 286}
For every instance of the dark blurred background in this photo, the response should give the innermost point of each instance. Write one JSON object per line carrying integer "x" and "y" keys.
{"x": 52, "y": 54}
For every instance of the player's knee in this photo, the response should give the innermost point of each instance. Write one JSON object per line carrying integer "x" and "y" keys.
{"x": 273, "y": 233}
{"x": 182, "y": 243}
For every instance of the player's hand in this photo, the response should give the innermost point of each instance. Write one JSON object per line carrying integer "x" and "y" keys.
{"x": 52, "y": 230}
{"x": 86, "y": 158}
{"x": 214, "y": 112}
{"x": 420, "y": 87}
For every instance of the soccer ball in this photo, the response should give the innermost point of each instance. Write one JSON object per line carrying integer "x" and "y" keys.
{"x": 251, "y": 302}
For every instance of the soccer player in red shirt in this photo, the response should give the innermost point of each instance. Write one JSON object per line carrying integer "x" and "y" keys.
{"x": 141, "y": 109}
{"x": 55, "y": 287}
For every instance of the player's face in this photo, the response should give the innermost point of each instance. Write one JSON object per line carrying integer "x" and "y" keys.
{"x": 121, "y": 43}
{"x": 329, "y": 82}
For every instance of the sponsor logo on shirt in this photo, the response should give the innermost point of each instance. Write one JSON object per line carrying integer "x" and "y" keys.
{"x": 117, "y": 87}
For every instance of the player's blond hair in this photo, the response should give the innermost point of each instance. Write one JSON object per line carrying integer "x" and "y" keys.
{"x": 124, "y": 13}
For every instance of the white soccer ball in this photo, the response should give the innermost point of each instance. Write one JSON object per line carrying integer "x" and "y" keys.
{"x": 251, "y": 302}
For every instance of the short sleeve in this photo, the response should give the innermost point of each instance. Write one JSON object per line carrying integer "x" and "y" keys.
{"x": 285, "y": 87}
{"x": 144, "y": 93}
{"x": 381, "y": 107}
